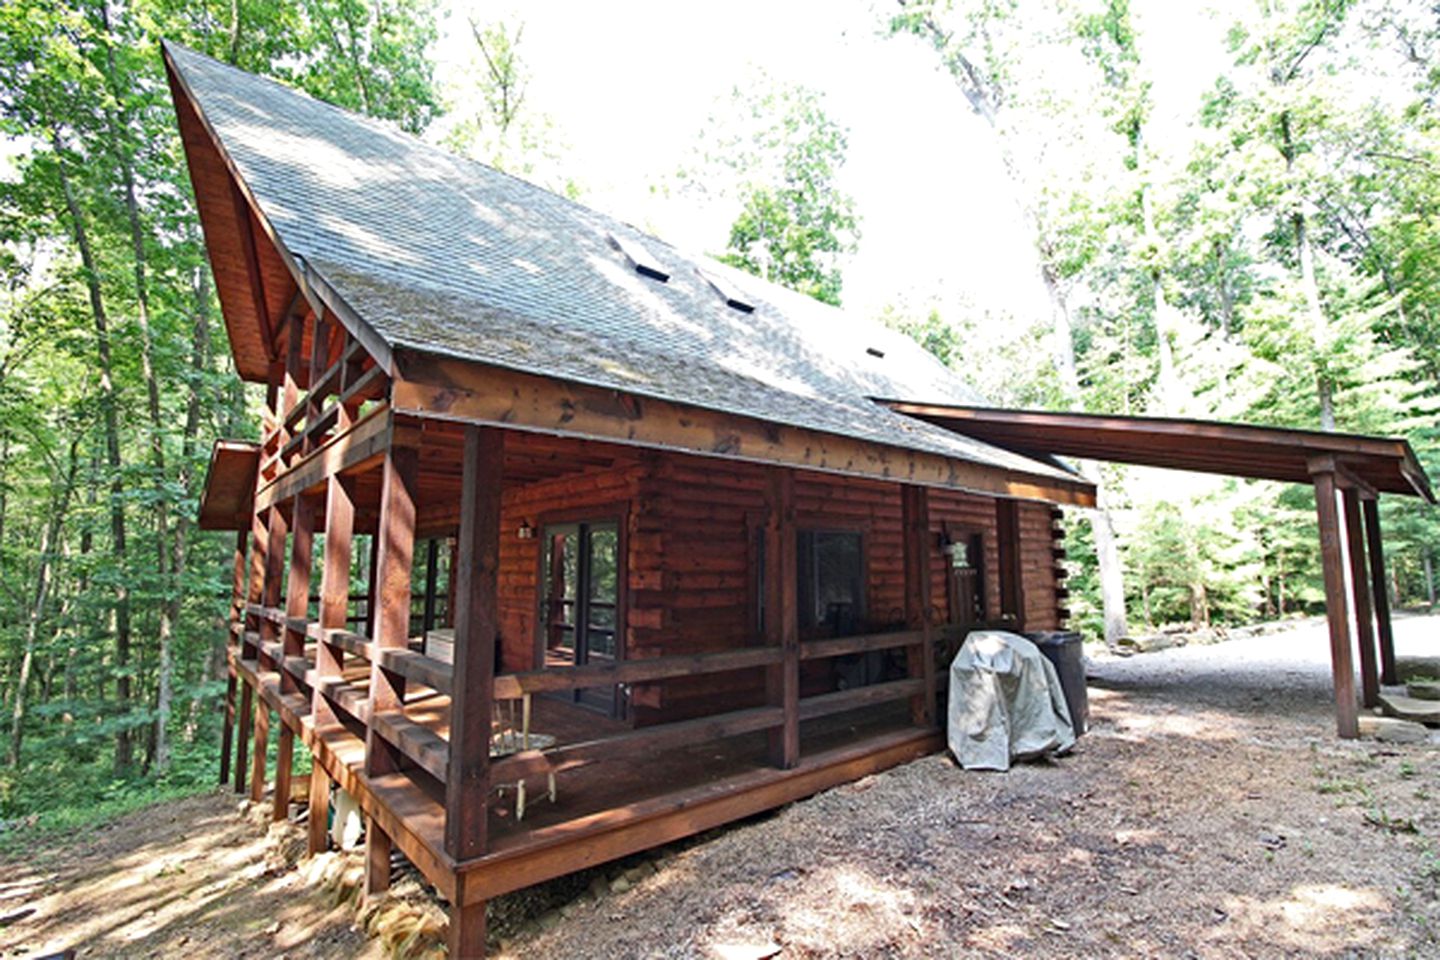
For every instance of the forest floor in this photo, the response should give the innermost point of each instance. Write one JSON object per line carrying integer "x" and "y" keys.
{"x": 1209, "y": 812}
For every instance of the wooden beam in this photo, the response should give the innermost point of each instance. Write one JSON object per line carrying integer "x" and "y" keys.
{"x": 251, "y": 254}
{"x": 920, "y": 658}
{"x": 432, "y": 574}
{"x": 377, "y": 858}
{"x": 1360, "y": 594}
{"x": 782, "y": 614}
{"x": 242, "y": 737}
{"x": 317, "y": 812}
{"x": 363, "y": 443}
{"x": 477, "y": 624}
{"x": 637, "y": 744}
{"x": 284, "y": 767}
{"x": 262, "y": 742}
{"x": 227, "y": 733}
{"x": 1347, "y": 723}
{"x": 862, "y": 643}
{"x": 1012, "y": 574}
{"x": 462, "y": 390}
{"x": 398, "y": 492}
{"x": 297, "y": 589}
{"x": 1379, "y": 589}
{"x": 465, "y": 937}
{"x": 277, "y": 530}
{"x": 509, "y": 686}
{"x": 334, "y": 587}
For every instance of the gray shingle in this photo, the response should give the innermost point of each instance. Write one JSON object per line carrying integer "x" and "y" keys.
{"x": 445, "y": 255}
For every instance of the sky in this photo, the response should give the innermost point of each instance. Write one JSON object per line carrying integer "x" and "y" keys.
{"x": 630, "y": 85}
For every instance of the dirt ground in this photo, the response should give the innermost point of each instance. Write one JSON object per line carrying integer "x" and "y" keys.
{"x": 1209, "y": 812}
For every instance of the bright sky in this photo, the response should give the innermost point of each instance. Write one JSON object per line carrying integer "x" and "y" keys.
{"x": 630, "y": 85}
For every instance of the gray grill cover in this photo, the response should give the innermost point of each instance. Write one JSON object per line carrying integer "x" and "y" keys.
{"x": 1006, "y": 703}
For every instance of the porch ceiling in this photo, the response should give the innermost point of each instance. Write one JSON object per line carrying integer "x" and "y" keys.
{"x": 1384, "y": 464}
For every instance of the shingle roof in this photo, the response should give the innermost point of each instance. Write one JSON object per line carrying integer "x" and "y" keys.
{"x": 444, "y": 255}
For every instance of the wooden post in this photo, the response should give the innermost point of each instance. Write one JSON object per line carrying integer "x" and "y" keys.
{"x": 237, "y": 618}
{"x": 377, "y": 858}
{"x": 334, "y": 589}
{"x": 467, "y": 787}
{"x": 227, "y": 733}
{"x": 277, "y": 528}
{"x": 262, "y": 741}
{"x": 372, "y": 586}
{"x": 392, "y": 594}
{"x": 317, "y": 811}
{"x": 297, "y": 601}
{"x": 782, "y": 613}
{"x": 1360, "y": 591}
{"x": 297, "y": 590}
{"x": 255, "y": 592}
{"x": 1380, "y": 592}
{"x": 284, "y": 766}
{"x": 242, "y": 737}
{"x": 920, "y": 658}
{"x": 432, "y": 574}
{"x": 1007, "y": 548}
{"x": 466, "y": 937}
{"x": 1347, "y": 722}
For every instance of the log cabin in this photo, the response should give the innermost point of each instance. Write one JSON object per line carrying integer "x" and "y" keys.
{"x": 560, "y": 543}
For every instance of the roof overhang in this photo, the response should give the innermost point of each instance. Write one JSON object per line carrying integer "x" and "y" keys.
{"x": 1381, "y": 464}
{"x": 228, "y": 499}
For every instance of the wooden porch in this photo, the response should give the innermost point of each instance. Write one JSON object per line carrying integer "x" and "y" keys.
{"x": 413, "y": 735}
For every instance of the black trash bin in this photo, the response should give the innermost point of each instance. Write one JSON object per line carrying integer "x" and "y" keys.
{"x": 1064, "y": 650}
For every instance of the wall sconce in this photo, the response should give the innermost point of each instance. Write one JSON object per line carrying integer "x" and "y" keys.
{"x": 526, "y": 532}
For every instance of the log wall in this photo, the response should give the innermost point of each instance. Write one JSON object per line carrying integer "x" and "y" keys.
{"x": 692, "y": 529}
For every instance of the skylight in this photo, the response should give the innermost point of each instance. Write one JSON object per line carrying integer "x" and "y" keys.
{"x": 640, "y": 258}
{"x": 732, "y": 296}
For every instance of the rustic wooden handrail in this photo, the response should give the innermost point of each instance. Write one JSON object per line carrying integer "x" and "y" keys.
{"x": 825, "y": 704}
{"x": 275, "y": 615}
{"x": 510, "y": 686}
{"x": 862, "y": 643}
{"x": 633, "y": 743}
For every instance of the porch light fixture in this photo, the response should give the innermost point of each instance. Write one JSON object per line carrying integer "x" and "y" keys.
{"x": 526, "y": 532}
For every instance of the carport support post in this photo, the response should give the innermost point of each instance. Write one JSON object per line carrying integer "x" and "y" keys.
{"x": 1360, "y": 588}
{"x": 1337, "y": 612}
{"x": 1378, "y": 591}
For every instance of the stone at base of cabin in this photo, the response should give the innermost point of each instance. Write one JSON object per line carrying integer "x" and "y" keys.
{"x": 1391, "y": 730}
{"x": 1409, "y": 708}
{"x": 1423, "y": 689}
{"x": 1417, "y": 668}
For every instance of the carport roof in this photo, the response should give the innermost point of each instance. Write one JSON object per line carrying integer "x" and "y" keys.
{"x": 1381, "y": 464}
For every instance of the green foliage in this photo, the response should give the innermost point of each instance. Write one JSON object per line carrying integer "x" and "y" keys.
{"x": 784, "y": 153}
{"x": 114, "y": 379}
{"x": 489, "y": 118}
{"x": 939, "y": 338}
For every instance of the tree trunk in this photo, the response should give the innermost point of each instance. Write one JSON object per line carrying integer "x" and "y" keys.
{"x": 116, "y": 121}
{"x": 1310, "y": 289}
{"x": 124, "y": 742}
{"x": 1429, "y": 580}
{"x": 979, "y": 91}
{"x": 49, "y": 534}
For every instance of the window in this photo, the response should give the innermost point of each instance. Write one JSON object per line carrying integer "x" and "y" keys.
{"x": 832, "y": 582}
{"x": 965, "y": 576}
{"x": 579, "y": 592}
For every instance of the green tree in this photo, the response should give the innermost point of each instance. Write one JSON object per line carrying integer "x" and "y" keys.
{"x": 780, "y": 155}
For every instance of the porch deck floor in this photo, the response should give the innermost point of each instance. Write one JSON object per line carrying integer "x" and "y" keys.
{"x": 603, "y": 809}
